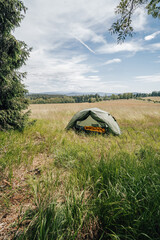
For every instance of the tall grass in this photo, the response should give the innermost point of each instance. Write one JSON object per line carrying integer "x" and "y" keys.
{"x": 115, "y": 198}
{"x": 83, "y": 186}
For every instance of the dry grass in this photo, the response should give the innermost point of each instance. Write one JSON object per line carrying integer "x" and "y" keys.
{"x": 152, "y": 98}
{"x": 120, "y": 109}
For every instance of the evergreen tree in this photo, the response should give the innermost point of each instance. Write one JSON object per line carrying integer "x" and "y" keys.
{"x": 13, "y": 54}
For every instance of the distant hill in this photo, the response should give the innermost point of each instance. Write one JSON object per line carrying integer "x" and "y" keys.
{"x": 75, "y": 93}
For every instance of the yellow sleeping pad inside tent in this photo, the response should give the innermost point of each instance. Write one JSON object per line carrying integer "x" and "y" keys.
{"x": 94, "y": 129}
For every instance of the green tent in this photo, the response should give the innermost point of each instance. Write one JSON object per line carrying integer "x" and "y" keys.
{"x": 94, "y": 120}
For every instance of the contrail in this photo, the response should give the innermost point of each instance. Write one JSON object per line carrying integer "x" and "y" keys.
{"x": 84, "y": 44}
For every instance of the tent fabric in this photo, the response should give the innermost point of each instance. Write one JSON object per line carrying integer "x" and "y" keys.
{"x": 102, "y": 117}
{"x": 89, "y": 121}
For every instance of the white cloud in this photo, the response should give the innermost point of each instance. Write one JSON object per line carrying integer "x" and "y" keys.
{"x": 152, "y": 36}
{"x": 124, "y": 47}
{"x": 86, "y": 34}
{"x": 139, "y": 19}
{"x": 155, "y": 46}
{"x": 115, "y": 60}
{"x": 59, "y": 73}
{"x": 149, "y": 78}
{"x": 131, "y": 47}
{"x": 47, "y": 74}
{"x": 49, "y": 22}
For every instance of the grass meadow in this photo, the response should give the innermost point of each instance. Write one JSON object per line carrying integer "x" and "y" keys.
{"x": 152, "y": 98}
{"x": 59, "y": 185}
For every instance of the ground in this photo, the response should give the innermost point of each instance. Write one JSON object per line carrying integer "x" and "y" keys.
{"x": 45, "y": 154}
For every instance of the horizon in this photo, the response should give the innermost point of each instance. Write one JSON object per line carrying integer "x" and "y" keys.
{"x": 87, "y": 93}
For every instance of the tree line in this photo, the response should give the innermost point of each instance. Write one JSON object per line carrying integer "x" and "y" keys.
{"x": 51, "y": 98}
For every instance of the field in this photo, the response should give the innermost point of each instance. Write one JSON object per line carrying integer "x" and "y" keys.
{"x": 56, "y": 184}
{"x": 152, "y": 98}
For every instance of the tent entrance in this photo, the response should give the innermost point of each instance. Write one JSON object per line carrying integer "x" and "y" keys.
{"x": 91, "y": 125}
{"x": 89, "y": 121}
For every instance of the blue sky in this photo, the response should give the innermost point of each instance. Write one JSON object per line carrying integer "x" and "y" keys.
{"x": 73, "y": 50}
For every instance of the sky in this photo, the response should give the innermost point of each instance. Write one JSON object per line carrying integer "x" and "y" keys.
{"x": 73, "y": 51}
